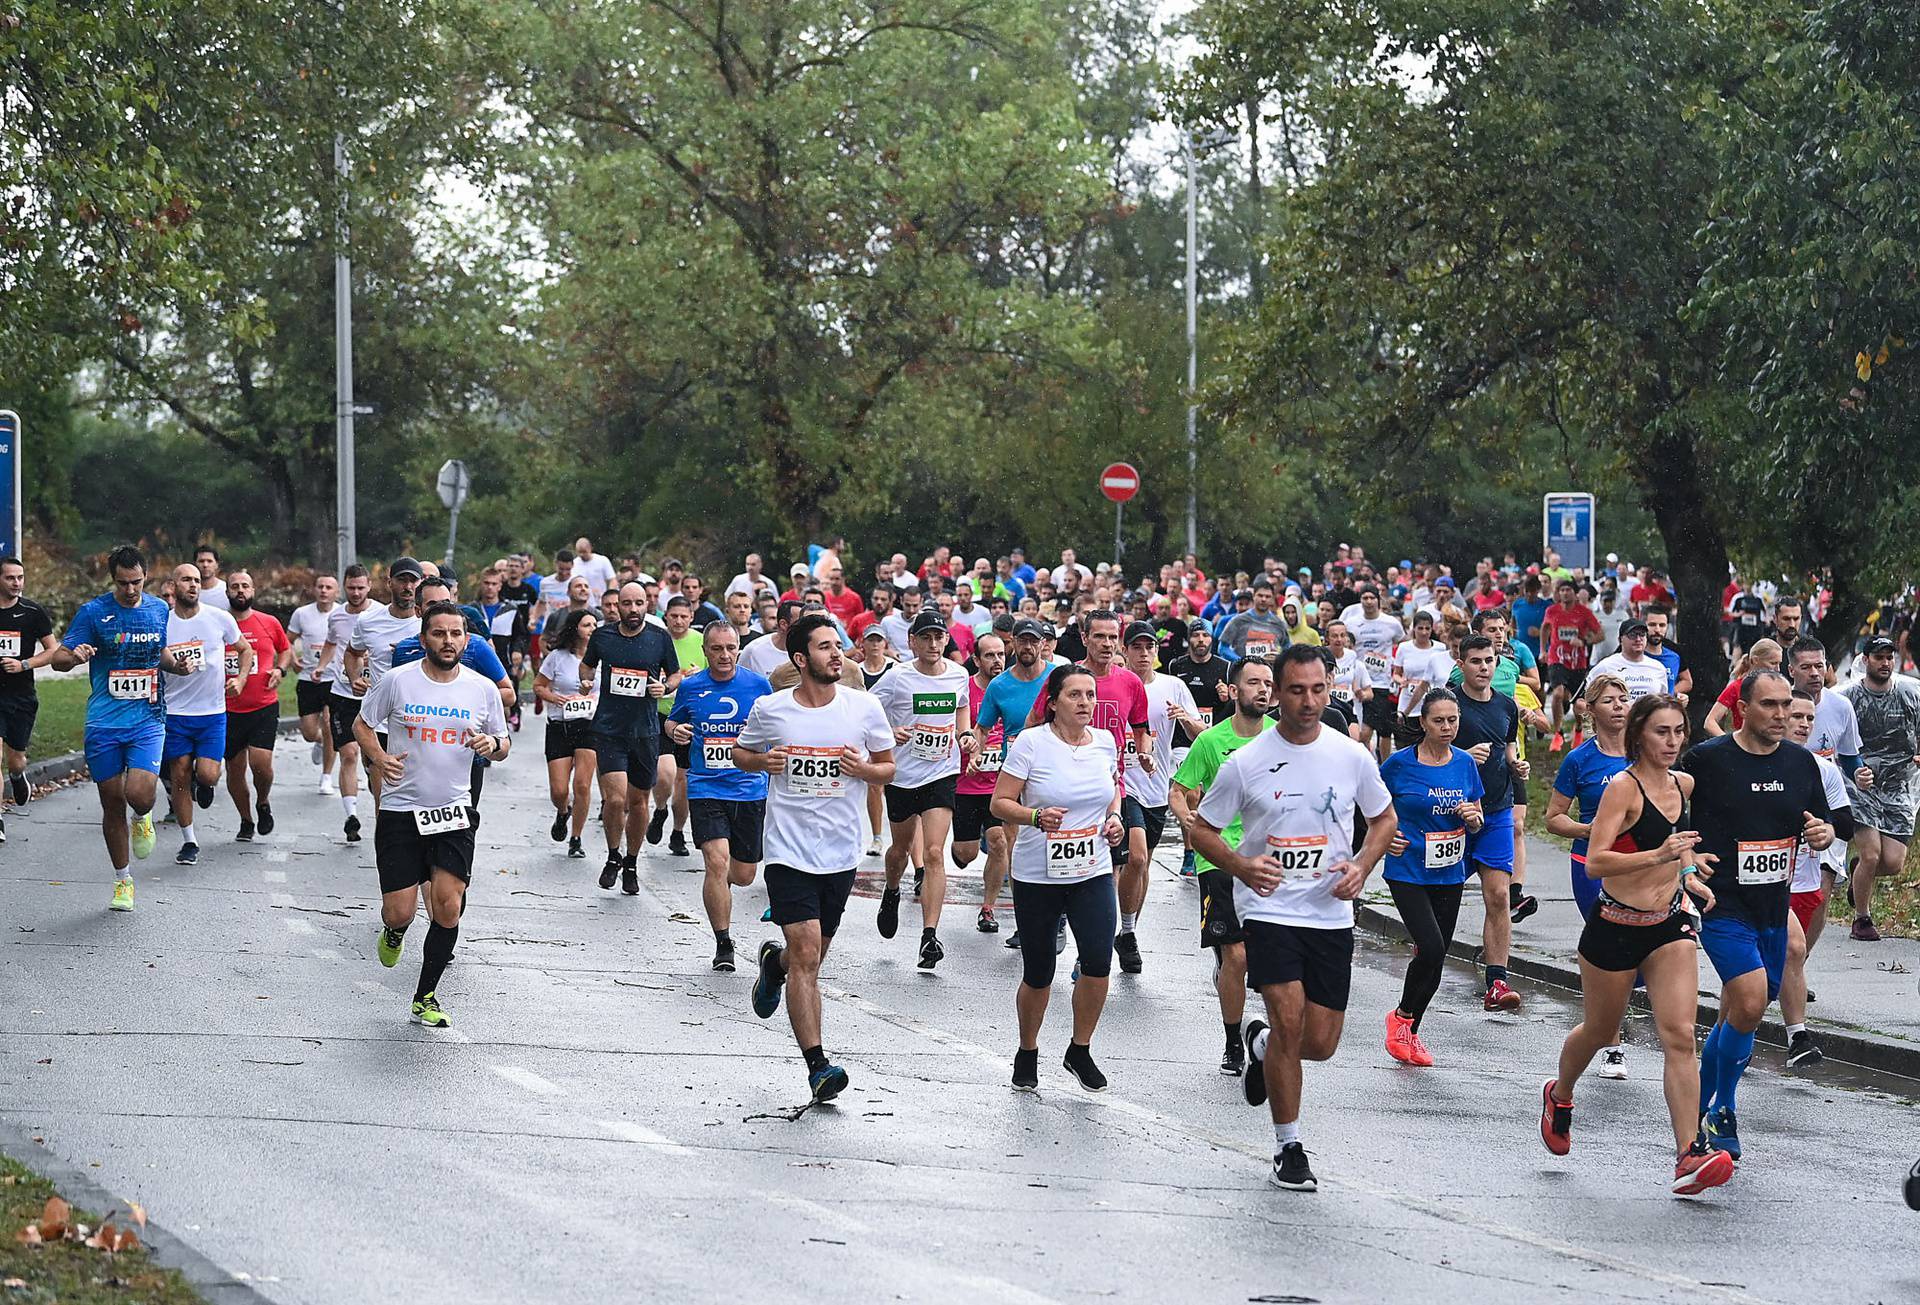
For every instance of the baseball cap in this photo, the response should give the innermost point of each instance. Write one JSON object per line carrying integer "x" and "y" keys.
{"x": 1141, "y": 630}
{"x": 1444, "y": 582}
{"x": 1198, "y": 625}
{"x": 406, "y": 566}
{"x": 1406, "y": 564}
{"x": 874, "y": 632}
{"x": 798, "y": 568}
{"x": 1244, "y": 595}
{"x": 1028, "y": 628}
{"x": 644, "y": 579}
{"x": 1880, "y": 643}
{"x": 1635, "y": 626}
{"x": 927, "y": 622}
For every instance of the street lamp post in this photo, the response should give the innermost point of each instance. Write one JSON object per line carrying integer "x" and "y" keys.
{"x": 343, "y": 370}
{"x": 1213, "y": 140}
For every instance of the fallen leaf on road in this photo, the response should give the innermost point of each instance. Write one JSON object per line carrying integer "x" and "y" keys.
{"x": 15, "y": 1284}
{"x": 29, "y": 1236}
{"x": 113, "y": 1240}
{"x": 138, "y": 1211}
{"x": 55, "y": 1218}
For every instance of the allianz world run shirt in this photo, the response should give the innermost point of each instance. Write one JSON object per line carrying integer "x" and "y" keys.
{"x": 1426, "y": 801}
{"x": 202, "y": 641}
{"x": 428, "y": 725}
{"x": 125, "y": 670}
{"x": 928, "y": 708}
{"x": 718, "y": 710}
{"x": 1295, "y": 803}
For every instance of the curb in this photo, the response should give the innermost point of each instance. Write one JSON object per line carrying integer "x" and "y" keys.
{"x": 1841, "y": 1042}
{"x": 68, "y": 764}
{"x": 214, "y": 1284}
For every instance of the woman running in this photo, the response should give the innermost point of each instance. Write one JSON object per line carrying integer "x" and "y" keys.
{"x": 569, "y": 694}
{"x": 876, "y": 659}
{"x": 1059, "y": 790}
{"x": 1583, "y": 774}
{"x": 1643, "y": 853}
{"x": 1726, "y": 715}
{"x": 1436, "y": 795}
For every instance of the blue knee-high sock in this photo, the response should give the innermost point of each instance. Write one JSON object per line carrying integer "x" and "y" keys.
{"x": 1736, "y": 1049}
{"x": 1710, "y": 1068}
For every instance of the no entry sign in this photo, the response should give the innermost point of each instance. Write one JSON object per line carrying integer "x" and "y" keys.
{"x": 1120, "y": 481}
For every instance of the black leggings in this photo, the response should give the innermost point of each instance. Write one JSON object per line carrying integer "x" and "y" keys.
{"x": 1429, "y": 911}
{"x": 1093, "y": 913}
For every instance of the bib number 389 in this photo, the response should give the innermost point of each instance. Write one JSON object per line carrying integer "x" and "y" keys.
{"x": 1765, "y": 861}
{"x": 449, "y": 819}
{"x": 1446, "y": 848}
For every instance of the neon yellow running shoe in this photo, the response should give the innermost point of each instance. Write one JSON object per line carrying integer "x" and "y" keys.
{"x": 143, "y": 837}
{"x": 122, "y": 896}
{"x": 427, "y": 1011}
{"x": 387, "y": 946}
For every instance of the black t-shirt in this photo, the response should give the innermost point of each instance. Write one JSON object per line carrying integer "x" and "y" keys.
{"x": 1495, "y": 721}
{"x": 22, "y": 627}
{"x": 1743, "y": 800}
{"x": 1749, "y": 617}
{"x": 520, "y": 597}
{"x": 1203, "y": 680}
{"x": 1173, "y": 638}
{"x": 623, "y": 713}
{"x": 1072, "y": 645}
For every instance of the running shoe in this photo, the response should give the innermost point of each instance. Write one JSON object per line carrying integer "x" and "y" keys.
{"x": 1060, "y": 936}
{"x": 1913, "y": 1187}
{"x": 1863, "y": 930}
{"x": 1254, "y": 1081}
{"x": 629, "y": 879}
{"x": 1556, "y": 743}
{"x": 327, "y": 787}
{"x": 658, "y": 825}
{"x": 1026, "y": 1070}
{"x": 353, "y": 829}
{"x": 1079, "y": 1061}
{"x": 1187, "y": 869}
{"x": 1501, "y": 997}
{"x": 986, "y": 923}
{"x": 1556, "y": 1121}
{"x": 723, "y": 957}
{"x": 1421, "y": 1056}
{"x": 317, "y": 753}
{"x": 931, "y": 953}
{"x": 1578, "y": 738}
{"x": 189, "y": 854}
{"x": 3, "y": 831}
{"x": 1400, "y": 1037}
{"x": 873, "y": 848}
{"x": 17, "y": 784}
{"x": 773, "y": 977}
{"x": 246, "y": 832}
{"x": 266, "y": 819}
{"x": 575, "y": 852}
{"x": 919, "y": 880}
{"x": 889, "y": 917}
{"x": 1722, "y": 1130}
{"x": 1526, "y": 906}
{"x": 558, "y": 830}
{"x": 141, "y": 837}
{"x": 610, "y": 872}
{"x": 677, "y": 842}
{"x": 827, "y": 1082}
{"x": 766, "y": 916}
{"x": 122, "y": 896}
{"x": 1012, "y": 942}
{"x": 1127, "y": 948}
{"x": 1233, "y": 1063}
{"x": 1803, "y": 1049}
{"x": 1613, "y": 1063}
{"x": 202, "y": 795}
{"x": 387, "y": 946}
{"x": 1698, "y": 1169}
{"x": 426, "y": 1010}
{"x": 1291, "y": 1170}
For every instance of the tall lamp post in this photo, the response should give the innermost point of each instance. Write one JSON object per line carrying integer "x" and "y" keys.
{"x": 1194, "y": 147}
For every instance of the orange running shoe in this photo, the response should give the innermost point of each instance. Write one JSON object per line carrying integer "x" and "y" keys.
{"x": 1400, "y": 1038}
{"x": 1698, "y": 1169}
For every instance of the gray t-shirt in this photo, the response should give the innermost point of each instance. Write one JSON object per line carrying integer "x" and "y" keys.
{"x": 428, "y": 726}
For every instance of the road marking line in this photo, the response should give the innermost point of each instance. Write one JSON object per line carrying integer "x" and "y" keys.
{"x": 529, "y": 1080}
{"x": 1436, "y": 1209}
{"x": 281, "y": 900}
{"x": 274, "y": 876}
{"x": 633, "y": 1132}
{"x": 325, "y": 954}
{"x": 300, "y": 927}
{"x": 845, "y": 1223}
{"x": 278, "y": 854}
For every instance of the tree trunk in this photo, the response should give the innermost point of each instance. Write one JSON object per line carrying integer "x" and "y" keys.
{"x": 1841, "y": 621}
{"x": 282, "y": 539}
{"x": 1257, "y": 201}
{"x": 1671, "y": 485}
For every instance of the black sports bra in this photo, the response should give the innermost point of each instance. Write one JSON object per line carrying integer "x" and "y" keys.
{"x": 1652, "y": 828}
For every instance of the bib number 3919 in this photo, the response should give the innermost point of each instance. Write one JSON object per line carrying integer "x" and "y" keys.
{"x": 449, "y": 819}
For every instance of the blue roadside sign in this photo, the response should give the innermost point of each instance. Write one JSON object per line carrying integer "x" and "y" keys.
{"x": 10, "y": 483}
{"x": 1567, "y": 529}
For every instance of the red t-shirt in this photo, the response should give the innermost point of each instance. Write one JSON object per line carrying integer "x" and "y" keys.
{"x": 1727, "y": 595}
{"x": 1483, "y": 602}
{"x": 845, "y": 605}
{"x": 1641, "y": 594}
{"x": 268, "y": 638}
{"x": 1730, "y": 699}
{"x": 858, "y": 625}
{"x": 1563, "y": 628}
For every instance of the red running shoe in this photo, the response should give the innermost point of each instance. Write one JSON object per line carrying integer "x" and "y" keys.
{"x": 1556, "y": 1121}
{"x": 1501, "y": 997}
{"x": 1698, "y": 1169}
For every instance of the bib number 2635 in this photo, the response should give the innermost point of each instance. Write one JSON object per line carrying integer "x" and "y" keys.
{"x": 814, "y": 772}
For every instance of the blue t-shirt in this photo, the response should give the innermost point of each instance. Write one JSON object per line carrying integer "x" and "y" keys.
{"x": 1025, "y": 574}
{"x": 1526, "y": 612}
{"x": 124, "y": 639}
{"x": 1009, "y": 701}
{"x": 1495, "y": 721}
{"x": 478, "y": 655}
{"x": 717, "y": 710}
{"x": 1583, "y": 776}
{"x": 1426, "y": 800}
{"x": 1669, "y": 657}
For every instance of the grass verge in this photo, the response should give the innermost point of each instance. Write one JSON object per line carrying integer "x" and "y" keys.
{"x": 70, "y": 1272}
{"x": 63, "y": 715}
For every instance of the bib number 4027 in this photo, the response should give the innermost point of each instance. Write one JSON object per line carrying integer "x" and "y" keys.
{"x": 1299, "y": 858}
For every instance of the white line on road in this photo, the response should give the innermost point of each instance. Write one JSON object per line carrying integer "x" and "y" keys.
{"x": 845, "y": 1223}
{"x": 633, "y": 1132}
{"x": 300, "y": 927}
{"x": 274, "y": 876}
{"x": 278, "y": 854}
{"x": 281, "y": 900}
{"x": 325, "y": 954}
{"x": 529, "y": 1080}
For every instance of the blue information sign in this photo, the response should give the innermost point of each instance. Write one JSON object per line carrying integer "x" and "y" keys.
{"x": 1567, "y": 529}
{"x": 10, "y": 483}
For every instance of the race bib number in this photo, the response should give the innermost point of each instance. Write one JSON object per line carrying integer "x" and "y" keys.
{"x": 1446, "y": 848}
{"x": 1569, "y": 634}
{"x": 1130, "y": 754}
{"x": 1299, "y": 858}
{"x": 1765, "y": 861}
{"x": 1343, "y": 693}
{"x": 1749, "y": 618}
{"x": 624, "y": 682}
{"x": 1259, "y": 643}
{"x": 449, "y": 819}
{"x": 133, "y": 686}
{"x": 930, "y": 742}
{"x": 9, "y": 643}
{"x": 191, "y": 655}
{"x": 232, "y": 662}
{"x": 814, "y": 773}
{"x": 1074, "y": 853}
{"x": 990, "y": 758}
{"x": 1377, "y": 663}
{"x": 717, "y": 754}
{"x": 577, "y": 709}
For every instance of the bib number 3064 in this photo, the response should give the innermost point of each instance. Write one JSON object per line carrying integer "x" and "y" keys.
{"x": 449, "y": 819}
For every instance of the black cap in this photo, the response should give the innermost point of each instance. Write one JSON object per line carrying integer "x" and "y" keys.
{"x": 1879, "y": 644}
{"x": 1199, "y": 625}
{"x": 927, "y": 623}
{"x": 1003, "y": 623}
{"x": 406, "y": 566}
{"x": 1635, "y": 626}
{"x": 1244, "y": 595}
{"x": 1141, "y": 630}
{"x": 1028, "y": 628}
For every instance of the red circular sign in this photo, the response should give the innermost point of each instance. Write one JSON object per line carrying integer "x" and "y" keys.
{"x": 1120, "y": 481}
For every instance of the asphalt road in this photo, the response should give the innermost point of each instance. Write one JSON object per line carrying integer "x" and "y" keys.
{"x": 608, "y": 1118}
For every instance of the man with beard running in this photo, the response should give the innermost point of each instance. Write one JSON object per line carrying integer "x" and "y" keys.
{"x": 637, "y": 668}
{"x": 26, "y": 642}
{"x": 343, "y": 697}
{"x": 307, "y": 630}
{"x": 369, "y": 654}
{"x": 199, "y": 638}
{"x": 1887, "y": 711}
{"x": 980, "y": 770}
{"x": 421, "y": 727}
{"x": 253, "y": 713}
{"x": 1173, "y": 720}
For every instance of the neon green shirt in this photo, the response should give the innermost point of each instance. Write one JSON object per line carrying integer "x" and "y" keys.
{"x": 1204, "y": 759}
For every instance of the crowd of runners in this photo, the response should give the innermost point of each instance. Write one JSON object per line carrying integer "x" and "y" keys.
{"x": 1295, "y": 732}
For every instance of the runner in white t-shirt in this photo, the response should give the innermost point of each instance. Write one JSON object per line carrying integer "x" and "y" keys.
{"x": 369, "y": 654}
{"x": 307, "y": 631}
{"x": 1809, "y": 898}
{"x": 1294, "y": 791}
{"x": 1634, "y": 668}
{"x": 1374, "y": 635}
{"x": 420, "y": 728}
{"x": 343, "y": 698}
{"x": 1059, "y": 791}
{"x": 203, "y": 638}
{"x": 1173, "y": 720}
{"x": 1420, "y": 664}
{"x": 821, "y": 744}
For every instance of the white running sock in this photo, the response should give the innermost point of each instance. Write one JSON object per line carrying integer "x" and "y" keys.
{"x": 186, "y": 835}
{"x": 348, "y": 801}
{"x": 1260, "y": 1044}
{"x": 1285, "y": 1133}
{"x": 1128, "y": 919}
{"x": 1794, "y": 1030}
